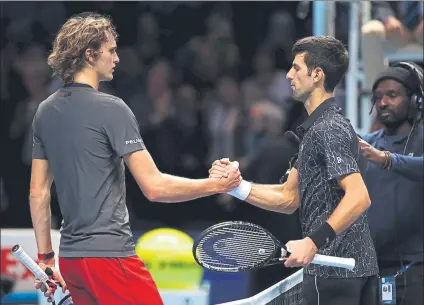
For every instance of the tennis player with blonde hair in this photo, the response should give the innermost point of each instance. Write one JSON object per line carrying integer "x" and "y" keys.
{"x": 82, "y": 138}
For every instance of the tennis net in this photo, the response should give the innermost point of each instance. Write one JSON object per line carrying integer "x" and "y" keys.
{"x": 286, "y": 292}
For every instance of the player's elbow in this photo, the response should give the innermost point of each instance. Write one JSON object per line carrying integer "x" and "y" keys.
{"x": 289, "y": 210}
{"x": 290, "y": 202}
{"x": 152, "y": 194}
{"x": 356, "y": 192}
{"x": 362, "y": 198}
{"x": 154, "y": 189}
{"x": 157, "y": 190}
{"x": 366, "y": 200}
{"x": 292, "y": 207}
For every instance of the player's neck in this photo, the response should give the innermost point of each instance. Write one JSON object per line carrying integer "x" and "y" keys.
{"x": 316, "y": 98}
{"x": 87, "y": 76}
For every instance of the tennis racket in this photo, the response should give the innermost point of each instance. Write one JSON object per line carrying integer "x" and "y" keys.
{"x": 236, "y": 246}
{"x": 32, "y": 266}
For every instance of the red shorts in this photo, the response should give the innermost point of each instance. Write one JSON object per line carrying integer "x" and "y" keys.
{"x": 106, "y": 281}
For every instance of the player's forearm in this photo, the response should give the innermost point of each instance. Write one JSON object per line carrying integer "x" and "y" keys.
{"x": 41, "y": 221}
{"x": 274, "y": 198}
{"x": 352, "y": 206}
{"x": 168, "y": 188}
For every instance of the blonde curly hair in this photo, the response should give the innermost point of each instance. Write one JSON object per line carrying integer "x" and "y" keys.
{"x": 80, "y": 32}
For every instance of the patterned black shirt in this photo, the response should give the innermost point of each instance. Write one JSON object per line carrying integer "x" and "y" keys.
{"x": 329, "y": 150}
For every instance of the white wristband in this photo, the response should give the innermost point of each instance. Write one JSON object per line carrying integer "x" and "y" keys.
{"x": 242, "y": 191}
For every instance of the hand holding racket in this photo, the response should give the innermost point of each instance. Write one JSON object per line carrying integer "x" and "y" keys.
{"x": 302, "y": 252}
{"x": 47, "y": 279}
{"x": 55, "y": 279}
{"x": 237, "y": 246}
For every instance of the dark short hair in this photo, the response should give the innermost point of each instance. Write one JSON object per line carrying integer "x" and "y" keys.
{"x": 327, "y": 53}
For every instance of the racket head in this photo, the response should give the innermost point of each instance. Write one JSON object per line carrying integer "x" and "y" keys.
{"x": 235, "y": 246}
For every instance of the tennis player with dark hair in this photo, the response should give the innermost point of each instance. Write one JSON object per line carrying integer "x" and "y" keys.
{"x": 394, "y": 178}
{"x": 325, "y": 183}
{"x": 82, "y": 138}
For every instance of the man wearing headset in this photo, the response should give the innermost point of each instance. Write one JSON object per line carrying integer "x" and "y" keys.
{"x": 394, "y": 179}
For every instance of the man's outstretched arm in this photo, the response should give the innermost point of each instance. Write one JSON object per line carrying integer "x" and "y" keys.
{"x": 281, "y": 198}
{"x": 157, "y": 186}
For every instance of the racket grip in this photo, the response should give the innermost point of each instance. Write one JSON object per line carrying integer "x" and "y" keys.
{"x": 20, "y": 254}
{"x": 333, "y": 261}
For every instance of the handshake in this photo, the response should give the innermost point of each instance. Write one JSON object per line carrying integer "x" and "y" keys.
{"x": 230, "y": 179}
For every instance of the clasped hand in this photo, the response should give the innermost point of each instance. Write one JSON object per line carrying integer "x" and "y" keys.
{"x": 227, "y": 171}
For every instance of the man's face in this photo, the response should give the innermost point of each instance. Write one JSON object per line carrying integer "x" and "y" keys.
{"x": 300, "y": 79}
{"x": 107, "y": 60}
{"x": 391, "y": 102}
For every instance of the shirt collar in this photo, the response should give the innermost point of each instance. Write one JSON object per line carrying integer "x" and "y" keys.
{"x": 77, "y": 85}
{"x": 315, "y": 115}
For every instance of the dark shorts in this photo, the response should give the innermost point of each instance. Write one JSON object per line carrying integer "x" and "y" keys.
{"x": 105, "y": 281}
{"x": 336, "y": 291}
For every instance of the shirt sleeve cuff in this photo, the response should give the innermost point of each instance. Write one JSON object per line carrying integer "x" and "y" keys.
{"x": 337, "y": 175}
{"x": 395, "y": 160}
{"x": 130, "y": 149}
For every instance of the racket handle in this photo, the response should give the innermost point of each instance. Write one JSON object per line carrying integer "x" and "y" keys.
{"x": 333, "y": 261}
{"x": 20, "y": 254}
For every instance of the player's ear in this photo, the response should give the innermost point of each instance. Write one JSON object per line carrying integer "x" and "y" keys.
{"x": 89, "y": 56}
{"x": 317, "y": 74}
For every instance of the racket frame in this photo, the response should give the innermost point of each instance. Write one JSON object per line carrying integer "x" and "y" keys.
{"x": 278, "y": 255}
{"x": 273, "y": 258}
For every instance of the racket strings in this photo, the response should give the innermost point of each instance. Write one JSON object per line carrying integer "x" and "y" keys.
{"x": 235, "y": 247}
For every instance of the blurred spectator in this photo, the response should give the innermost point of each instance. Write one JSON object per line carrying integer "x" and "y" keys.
{"x": 205, "y": 62}
{"x": 205, "y": 58}
{"x": 188, "y": 106}
{"x": 162, "y": 137}
{"x": 193, "y": 140}
{"x": 395, "y": 25}
{"x": 147, "y": 44}
{"x": 266, "y": 82}
{"x": 163, "y": 108}
{"x": 129, "y": 74}
{"x": 225, "y": 122}
{"x": 154, "y": 110}
{"x": 266, "y": 125}
{"x": 280, "y": 39}
{"x": 142, "y": 103}
{"x": 35, "y": 75}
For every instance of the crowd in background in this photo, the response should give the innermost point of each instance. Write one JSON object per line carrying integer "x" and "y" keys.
{"x": 204, "y": 80}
